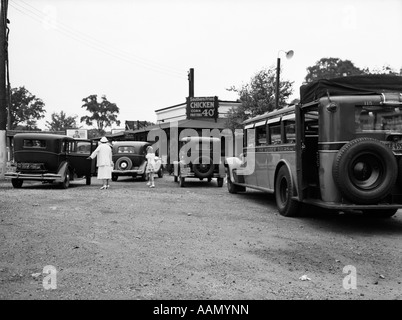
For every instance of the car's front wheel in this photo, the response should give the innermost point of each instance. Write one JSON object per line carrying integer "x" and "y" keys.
{"x": 66, "y": 180}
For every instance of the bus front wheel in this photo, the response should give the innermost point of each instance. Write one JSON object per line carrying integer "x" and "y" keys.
{"x": 284, "y": 191}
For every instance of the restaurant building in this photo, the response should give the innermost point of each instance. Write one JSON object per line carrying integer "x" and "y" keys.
{"x": 197, "y": 113}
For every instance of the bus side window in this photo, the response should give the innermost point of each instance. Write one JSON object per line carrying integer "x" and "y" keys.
{"x": 275, "y": 134}
{"x": 261, "y": 134}
{"x": 290, "y": 132}
{"x": 250, "y": 138}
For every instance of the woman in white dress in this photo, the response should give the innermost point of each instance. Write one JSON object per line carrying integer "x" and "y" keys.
{"x": 103, "y": 154}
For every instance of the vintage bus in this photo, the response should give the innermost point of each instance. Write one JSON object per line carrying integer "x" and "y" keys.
{"x": 339, "y": 148}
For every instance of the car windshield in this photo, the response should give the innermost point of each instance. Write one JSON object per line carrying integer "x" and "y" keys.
{"x": 378, "y": 118}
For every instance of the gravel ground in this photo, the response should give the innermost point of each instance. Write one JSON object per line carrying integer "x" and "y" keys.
{"x": 197, "y": 242}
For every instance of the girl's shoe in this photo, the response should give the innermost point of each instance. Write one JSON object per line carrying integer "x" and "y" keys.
{"x": 148, "y": 183}
{"x": 103, "y": 187}
{"x": 152, "y": 186}
{"x": 107, "y": 187}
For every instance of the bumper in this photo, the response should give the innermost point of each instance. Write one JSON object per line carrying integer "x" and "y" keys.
{"x": 189, "y": 174}
{"x": 32, "y": 176}
{"x": 128, "y": 172}
{"x": 341, "y": 206}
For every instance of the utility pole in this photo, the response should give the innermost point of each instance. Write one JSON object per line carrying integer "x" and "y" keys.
{"x": 191, "y": 83}
{"x": 3, "y": 89}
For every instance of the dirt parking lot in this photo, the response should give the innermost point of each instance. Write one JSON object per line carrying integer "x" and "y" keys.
{"x": 197, "y": 242}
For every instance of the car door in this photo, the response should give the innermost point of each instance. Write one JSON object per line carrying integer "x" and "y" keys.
{"x": 78, "y": 152}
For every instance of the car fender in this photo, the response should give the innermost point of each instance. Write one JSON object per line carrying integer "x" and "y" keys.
{"x": 61, "y": 171}
{"x": 143, "y": 167}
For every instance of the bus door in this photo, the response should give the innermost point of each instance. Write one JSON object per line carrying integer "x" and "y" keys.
{"x": 308, "y": 165}
{"x": 261, "y": 154}
{"x": 249, "y": 153}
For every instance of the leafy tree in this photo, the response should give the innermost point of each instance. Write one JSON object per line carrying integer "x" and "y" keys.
{"x": 258, "y": 97}
{"x": 332, "y": 68}
{"x": 386, "y": 69}
{"x": 25, "y": 109}
{"x": 327, "y": 68}
{"x": 104, "y": 113}
{"x": 60, "y": 122}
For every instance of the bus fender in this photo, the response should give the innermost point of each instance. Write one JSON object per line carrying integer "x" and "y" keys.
{"x": 283, "y": 162}
{"x": 232, "y": 163}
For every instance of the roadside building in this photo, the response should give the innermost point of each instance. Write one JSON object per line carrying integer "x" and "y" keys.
{"x": 197, "y": 113}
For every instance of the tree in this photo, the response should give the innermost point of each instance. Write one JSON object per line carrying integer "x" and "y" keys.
{"x": 327, "y": 68}
{"x": 60, "y": 122}
{"x": 104, "y": 113}
{"x": 258, "y": 97}
{"x": 25, "y": 109}
{"x": 386, "y": 69}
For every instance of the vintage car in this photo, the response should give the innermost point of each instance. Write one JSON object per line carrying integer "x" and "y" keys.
{"x": 50, "y": 158}
{"x": 199, "y": 157}
{"x": 129, "y": 160}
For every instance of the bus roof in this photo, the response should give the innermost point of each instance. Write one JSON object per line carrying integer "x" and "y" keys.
{"x": 271, "y": 114}
{"x": 351, "y": 85}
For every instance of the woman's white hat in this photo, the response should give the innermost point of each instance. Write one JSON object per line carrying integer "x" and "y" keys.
{"x": 103, "y": 140}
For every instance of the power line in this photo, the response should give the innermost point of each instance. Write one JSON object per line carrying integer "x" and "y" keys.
{"x": 96, "y": 44}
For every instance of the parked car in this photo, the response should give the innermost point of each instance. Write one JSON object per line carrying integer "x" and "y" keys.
{"x": 201, "y": 159}
{"x": 129, "y": 160}
{"x": 50, "y": 158}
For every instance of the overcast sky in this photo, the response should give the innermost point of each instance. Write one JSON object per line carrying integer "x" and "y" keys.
{"x": 138, "y": 52}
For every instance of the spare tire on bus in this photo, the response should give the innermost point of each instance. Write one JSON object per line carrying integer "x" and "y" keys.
{"x": 365, "y": 170}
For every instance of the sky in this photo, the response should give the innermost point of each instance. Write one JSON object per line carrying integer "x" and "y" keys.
{"x": 138, "y": 52}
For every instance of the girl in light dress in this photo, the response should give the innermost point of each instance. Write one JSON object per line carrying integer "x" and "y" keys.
{"x": 150, "y": 170}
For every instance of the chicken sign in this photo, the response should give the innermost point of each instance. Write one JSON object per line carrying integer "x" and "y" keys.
{"x": 202, "y": 107}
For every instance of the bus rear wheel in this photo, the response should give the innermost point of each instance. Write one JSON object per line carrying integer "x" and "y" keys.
{"x": 284, "y": 191}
